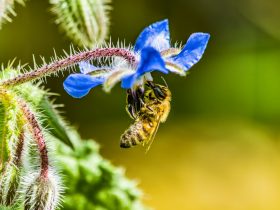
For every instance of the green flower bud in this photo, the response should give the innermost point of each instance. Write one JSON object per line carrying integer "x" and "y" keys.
{"x": 9, "y": 183}
{"x": 42, "y": 192}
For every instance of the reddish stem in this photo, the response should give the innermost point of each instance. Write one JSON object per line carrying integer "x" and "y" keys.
{"x": 19, "y": 149}
{"x": 69, "y": 61}
{"x": 39, "y": 137}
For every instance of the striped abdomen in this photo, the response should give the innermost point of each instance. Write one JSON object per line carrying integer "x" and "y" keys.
{"x": 138, "y": 133}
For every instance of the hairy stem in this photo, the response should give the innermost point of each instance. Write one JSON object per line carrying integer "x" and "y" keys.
{"x": 38, "y": 136}
{"x": 5, "y": 150}
{"x": 19, "y": 149}
{"x": 34, "y": 127}
{"x": 67, "y": 62}
{"x": 17, "y": 161}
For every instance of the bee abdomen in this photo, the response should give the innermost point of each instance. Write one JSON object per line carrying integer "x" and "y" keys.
{"x": 133, "y": 136}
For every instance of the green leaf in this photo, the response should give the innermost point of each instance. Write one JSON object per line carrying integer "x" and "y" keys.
{"x": 10, "y": 184}
{"x": 54, "y": 122}
{"x": 93, "y": 182}
{"x": 2, "y": 143}
{"x": 4, "y": 149}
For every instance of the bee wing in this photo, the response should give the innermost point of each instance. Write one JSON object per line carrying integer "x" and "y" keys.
{"x": 152, "y": 138}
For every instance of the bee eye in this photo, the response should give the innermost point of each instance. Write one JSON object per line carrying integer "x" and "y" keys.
{"x": 159, "y": 93}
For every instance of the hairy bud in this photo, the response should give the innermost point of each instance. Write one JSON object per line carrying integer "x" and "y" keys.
{"x": 9, "y": 184}
{"x": 11, "y": 174}
{"x": 84, "y": 21}
{"x": 42, "y": 192}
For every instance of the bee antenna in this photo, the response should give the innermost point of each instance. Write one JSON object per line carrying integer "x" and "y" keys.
{"x": 164, "y": 81}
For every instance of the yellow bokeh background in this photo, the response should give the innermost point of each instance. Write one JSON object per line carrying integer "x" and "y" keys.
{"x": 220, "y": 147}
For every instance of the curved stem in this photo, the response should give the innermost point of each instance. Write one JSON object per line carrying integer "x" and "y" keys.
{"x": 34, "y": 127}
{"x": 69, "y": 61}
{"x": 17, "y": 161}
{"x": 38, "y": 136}
{"x": 19, "y": 149}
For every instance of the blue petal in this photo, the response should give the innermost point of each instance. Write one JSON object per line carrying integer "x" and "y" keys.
{"x": 150, "y": 60}
{"x": 192, "y": 51}
{"x": 128, "y": 81}
{"x": 79, "y": 85}
{"x": 156, "y": 35}
{"x": 86, "y": 67}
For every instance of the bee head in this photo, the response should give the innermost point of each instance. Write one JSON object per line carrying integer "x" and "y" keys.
{"x": 160, "y": 91}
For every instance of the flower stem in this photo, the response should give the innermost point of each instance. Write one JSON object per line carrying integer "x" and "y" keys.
{"x": 38, "y": 136}
{"x": 19, "y": 149}
{"x": 69, "y": 61}
{"x": 17, "y": 162}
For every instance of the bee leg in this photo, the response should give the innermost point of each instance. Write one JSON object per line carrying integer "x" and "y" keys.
{"x": 142, "y": 102}
{"x": 130, "y": 107}
{"x": 140, "y": 92}
{"x": 150, "y": 84}
{"x": 131, "y": 112}
{"x": 145, "y": 105}
{"x": 148, "y": 107}
{"x": 139, "y": 97}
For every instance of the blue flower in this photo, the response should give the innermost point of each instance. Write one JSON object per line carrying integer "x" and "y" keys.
{"x": 191, "y": 53}
{"x": 156, "y": 35}
{"x": 156, "y": 39}
{"x": 151, "y": 41}
{"x": 152, "y": 51}
{"x": 150, "y": 60}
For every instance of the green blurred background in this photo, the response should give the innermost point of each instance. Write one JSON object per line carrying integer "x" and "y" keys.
{"x": 220, "y": 148}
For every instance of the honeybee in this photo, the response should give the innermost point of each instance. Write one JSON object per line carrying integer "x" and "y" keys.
{"x": 154, "y": 109}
